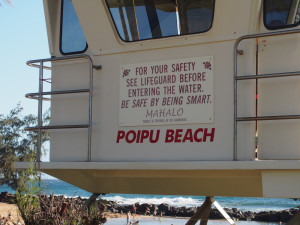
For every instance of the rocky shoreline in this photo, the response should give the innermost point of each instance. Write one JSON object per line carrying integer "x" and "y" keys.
{"x": 173, "y": 211}
{"x": 234, "y": 213}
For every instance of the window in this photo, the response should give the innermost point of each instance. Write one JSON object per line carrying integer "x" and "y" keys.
{"x": 146, "y": 19}
{"x": 72, "y": 39}
{"x": 280, "y": 14}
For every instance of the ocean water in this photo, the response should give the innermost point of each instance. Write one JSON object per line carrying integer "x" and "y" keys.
{"x": 58, "y": 187}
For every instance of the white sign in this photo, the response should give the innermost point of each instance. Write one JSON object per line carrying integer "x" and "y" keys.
{"x": 167, "y": 92}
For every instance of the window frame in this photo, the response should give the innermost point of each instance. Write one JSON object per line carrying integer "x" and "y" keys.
{"x": 61, "y": 33}
{"x": 157, "y": 38}
{"x": 277, "y": 27}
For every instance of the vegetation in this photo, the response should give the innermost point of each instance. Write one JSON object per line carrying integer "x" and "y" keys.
{"x": 39, "y": 209}
{"x": 8, "y": 2}
{"x": 43, "y": 209}
{"x": 36, "y": 208}
{"x": 17, "y": 145}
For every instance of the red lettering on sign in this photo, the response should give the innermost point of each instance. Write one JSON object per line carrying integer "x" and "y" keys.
{"x": 172, "y": 136}
{"x": 211, "y": 134}
{"x": 145, "y": 135}
{"x": 197, "y": 139}
{"x": 121, "y": 135}
{"x": 130, "y": 138}
{"x": 178, "y": 135}
{"x": 181, "y": 136}
{"x": 151, "y": 136}
{"x": 169, "y": 136}
{"x": 188, "y": 136}
{"x": 139, "y": 136}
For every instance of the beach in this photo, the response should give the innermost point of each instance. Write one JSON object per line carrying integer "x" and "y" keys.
{"x": 12, "y": 209}
{"x": 174, "y": 207}
{"x": 180, "y": 221}
{"x": 58, "y": 187}
{"x": 119, "y": 219}
{"x": 117, "y": 214}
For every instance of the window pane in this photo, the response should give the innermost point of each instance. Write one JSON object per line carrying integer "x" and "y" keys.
{"x": 72, "y": 37}
{"x": 146, "y": 19}
{"x": 195, "y": 16}
{"x": 168, "y": 22}
{"x": 281, "y": 13}
{"x": 143, "y": 25}
{"x": 297, "y": 19}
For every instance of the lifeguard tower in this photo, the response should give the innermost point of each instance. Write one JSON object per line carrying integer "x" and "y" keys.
{"x": 185, "y": 97}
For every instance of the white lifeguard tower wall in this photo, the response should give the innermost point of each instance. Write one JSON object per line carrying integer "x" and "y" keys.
{"x": 213, "y": 121}
{"x": 277, "y": 139}
{"x": 109, "y": 51}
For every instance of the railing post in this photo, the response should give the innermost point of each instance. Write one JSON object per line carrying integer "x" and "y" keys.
{"x": 40, "y": 114}
{"x": 236, "y": 78}
{"x": 90, "y": 109}
{"x": 39, "y": 63}
{"x": 235, "y": 51}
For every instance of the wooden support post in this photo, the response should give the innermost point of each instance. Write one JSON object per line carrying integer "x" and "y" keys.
{"x": 91, "y": 201}
{"x": 202, "y": 213}
{"x": 295, "y": 220}
{"x": 205, "y": 215}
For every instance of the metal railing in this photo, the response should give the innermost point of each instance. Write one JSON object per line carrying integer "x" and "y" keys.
{"x": 256, "y": 77}
{"x": 39, "y": 63}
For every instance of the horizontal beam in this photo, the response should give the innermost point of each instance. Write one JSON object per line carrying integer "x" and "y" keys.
{"x": 272, "y": 75}
{"x": 285, "y": 117}
{"x": 33, "y": 63}
{"x": 173, "y": 165}
{"x": 55, "y": 127}
{"x": 36, "y": 95}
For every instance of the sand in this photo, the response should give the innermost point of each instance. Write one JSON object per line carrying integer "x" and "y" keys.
{"x": 6, "y": 208}
{"x": 120, "y": 219}
{"x": 132, "y": 216}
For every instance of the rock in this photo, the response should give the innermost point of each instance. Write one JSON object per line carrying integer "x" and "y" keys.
{"x": 173, "y": 211}
{"x": 293, "y": 211}
{"x": 184, "y": 212}
{"x": 154, "y": 207}
{"x": 247, "y": 216}
{"x": 113, "y": 210}
{"x": 7, "y": 197}
{"x": 189, "y": 212}
{"x": 163, "y": 207}
{"x": 235, "y": 210}
{"x": 284, "y": 216}
{"x": 215, "y": 214}
{"x": 142, "y": 208}
{"x": 265, "y": 216}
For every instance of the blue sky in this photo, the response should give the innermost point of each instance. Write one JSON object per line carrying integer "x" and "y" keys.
{"x": 23, "y": 37}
